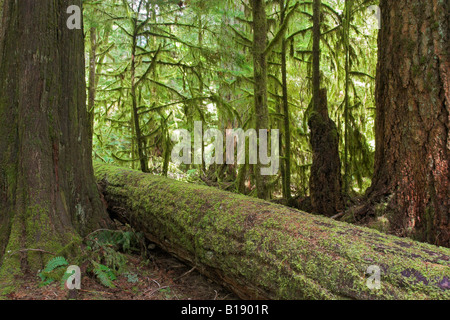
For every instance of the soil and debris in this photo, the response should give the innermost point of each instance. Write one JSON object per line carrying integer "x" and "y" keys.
{"x": 160, "y": 277}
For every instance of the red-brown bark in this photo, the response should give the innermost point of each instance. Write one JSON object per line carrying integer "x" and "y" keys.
{"x": 413, "y": 113}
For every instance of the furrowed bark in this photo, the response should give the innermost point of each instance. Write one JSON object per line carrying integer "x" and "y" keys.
{"x": 262, "y": 250}
{"x": 48, "y": 197}
{"x": 412, "y": 131}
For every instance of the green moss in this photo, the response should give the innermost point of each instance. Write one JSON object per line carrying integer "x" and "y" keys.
{"x": 435, "y": 26}
{"x": 40, "y": 235}
{"x": 410, "y": 45}
{"x": 423, "y": 60}
{"x": 416, "y": 70}
{"x": 429, "y": 224}
{"x": 11, "y": 265}
{"x": 33, "y": 231}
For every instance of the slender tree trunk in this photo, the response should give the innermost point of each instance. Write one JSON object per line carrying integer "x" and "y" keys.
{"x": 48, "y": 196}
{"x": 317, "y": 4}
{"x": 137, "y": 127}
{"x": 280, "y": 123}
{"x": 92, "y": 85}
{"x": 348, "y": 8}
{"x": 325, "y": 181}
{"x": 201, "y": 86}
{"x": 95, "y": 68}
{"x": 286, "y": 121}
{"x": 412, "y": 127}
{"x": 260, "y": 75}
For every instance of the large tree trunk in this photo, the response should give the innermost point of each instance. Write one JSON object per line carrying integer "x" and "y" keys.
{"x": 48, "y": 196}
{"x": 413, "y": 113}
{"x": 261, "y": 250}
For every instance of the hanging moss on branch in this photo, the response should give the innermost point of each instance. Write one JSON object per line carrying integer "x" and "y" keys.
{"x": 262, "y": 250}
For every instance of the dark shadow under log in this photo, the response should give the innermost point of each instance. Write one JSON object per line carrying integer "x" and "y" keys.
{"x": 262, "y": 250}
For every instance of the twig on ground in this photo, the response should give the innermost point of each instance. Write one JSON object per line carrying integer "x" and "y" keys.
{"x": 185, "y": 274}
{"x": 340, "y": 214}
{"x": 157, "y": 283}
{"x": 101, "y": 292}
{"x": 156, "y": 290}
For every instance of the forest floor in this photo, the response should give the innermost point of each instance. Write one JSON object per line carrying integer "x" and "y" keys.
{"x": 162, "y": 277}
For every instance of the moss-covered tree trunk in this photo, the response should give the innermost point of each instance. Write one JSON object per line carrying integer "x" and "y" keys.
{"x": 143, "y": 160}
{"x": 260, "y": 87}
{"x": 325, "y": 181}
{"x": 262, "y": 250}
{"x": 48, "y": 196}
{"x": 286, "y": 121}
{"x": 412, "y": 159}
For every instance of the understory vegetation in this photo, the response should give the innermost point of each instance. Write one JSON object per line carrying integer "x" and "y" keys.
{"x": 102, "y": 256}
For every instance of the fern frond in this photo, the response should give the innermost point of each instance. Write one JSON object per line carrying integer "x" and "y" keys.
{"x": 46, "y": 282}
{"x": 55, "y": 263}
{"x": 104, "y": 274}
{"x": 104, "y": 279}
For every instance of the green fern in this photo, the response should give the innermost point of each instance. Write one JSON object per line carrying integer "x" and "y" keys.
{"x": 125, "y": 241}
{"x": 104, "y": 274}
{"x": 50, "y": 272}
{"x": 55, "y": 263}
{"x": 45, "y": 280}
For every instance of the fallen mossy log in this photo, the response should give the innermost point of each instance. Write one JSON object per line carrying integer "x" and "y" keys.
{"x": 262, "y": 250}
